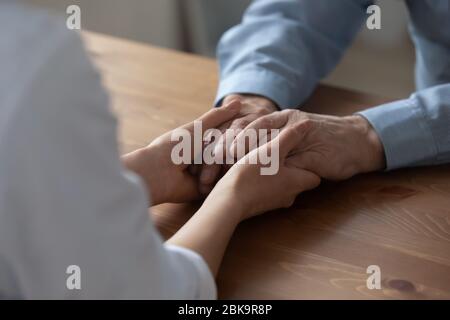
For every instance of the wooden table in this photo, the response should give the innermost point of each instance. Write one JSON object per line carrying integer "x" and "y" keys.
{"x": 322, "y": 246}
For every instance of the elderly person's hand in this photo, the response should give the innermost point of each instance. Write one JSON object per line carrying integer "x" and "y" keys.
{"x": 167, "y": 181}
{"x": 334, "y": 148}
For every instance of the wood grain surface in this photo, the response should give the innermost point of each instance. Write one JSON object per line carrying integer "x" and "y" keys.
{"x": 321, "y": 247}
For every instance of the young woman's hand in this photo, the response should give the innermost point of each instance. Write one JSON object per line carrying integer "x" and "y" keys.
{"x": 167, "y": 181}
{"x": 254, "y": 193}
{"x": 242, "y": 193}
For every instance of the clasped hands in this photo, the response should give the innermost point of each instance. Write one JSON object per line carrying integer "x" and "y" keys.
{"x": 311, "y": 147}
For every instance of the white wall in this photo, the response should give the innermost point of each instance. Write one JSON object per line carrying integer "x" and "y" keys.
{"x": 153, "y": 21}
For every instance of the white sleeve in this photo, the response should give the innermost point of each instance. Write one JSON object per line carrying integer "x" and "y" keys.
{"x": 69, "y": 201}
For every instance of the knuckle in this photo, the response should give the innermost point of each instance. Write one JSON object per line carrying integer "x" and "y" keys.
{"x": 305, "y": 124}
{"x": 231, "y": 98}
{"x": 302, "y": 114}
{"x": 241, "y": 123}
{"x": 261, "y": 112}
{"x": 287, "y": 112}
{"x": 265, "y": 122}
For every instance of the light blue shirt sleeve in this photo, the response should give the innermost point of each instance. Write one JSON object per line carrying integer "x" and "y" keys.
{"x": 415, "y": 131}
{"x": 430, "y": 32}
{"x": 282, "y": 49}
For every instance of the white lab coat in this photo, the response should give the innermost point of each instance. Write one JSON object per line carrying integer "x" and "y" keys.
{"x": 65, "y": 197}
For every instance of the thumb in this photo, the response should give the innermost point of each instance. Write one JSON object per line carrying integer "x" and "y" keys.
{"x": 305, "y": 180}
{"x": 214, "y": 118}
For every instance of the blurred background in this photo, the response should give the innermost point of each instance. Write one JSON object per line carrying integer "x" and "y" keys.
{"x": 380, "y": 61}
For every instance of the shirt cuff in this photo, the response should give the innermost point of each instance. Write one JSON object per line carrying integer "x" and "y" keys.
{"x": 207, "y": 289}
{"x": 404, "y": 133}
{"x": 260, "y": 82}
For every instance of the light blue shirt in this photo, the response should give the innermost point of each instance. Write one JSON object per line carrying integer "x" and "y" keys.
{"x": 283, "y": 48}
